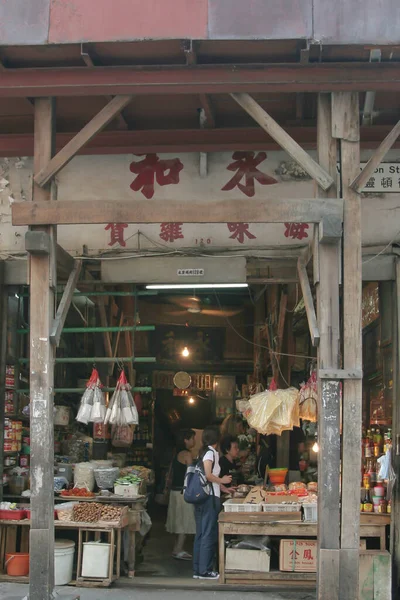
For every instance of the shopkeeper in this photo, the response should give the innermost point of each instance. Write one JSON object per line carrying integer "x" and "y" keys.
{"x": 229, "y": 461}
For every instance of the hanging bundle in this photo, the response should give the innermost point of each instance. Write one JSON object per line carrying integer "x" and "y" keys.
{"x": 122, "y": 409}
{"x": 92, "y": 408}
{"x": 274, "y": 410}
{"x": 308, "y": 400}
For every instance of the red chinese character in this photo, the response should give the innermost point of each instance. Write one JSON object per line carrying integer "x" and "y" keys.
{"x": 293, "y": 554}
{"x": 297, "y": 231}
{"x": 171, "y": 231}
{"x": 166, "y": 172}
{"x": 116, "y": 233}
{"x": 307, "y": 555}
{"x": 246, "y": 166}
{"x": 240, "y": 231}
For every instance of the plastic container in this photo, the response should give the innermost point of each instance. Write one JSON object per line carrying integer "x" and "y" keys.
{"x": 64, "y": 551}
{"x": 61, "y": 415}
{"x": 17, "y": 564}
{"x": 18, "y": 484}
{"x": 232, "y": 506}
{"x": 66, "y": 471}
{"x": 277, "y": 476}
{"x": 295, "y": 507}
{"x": 376, "y": 500}
{"x": 105, "y": 478}
{"x": 84, "y": 476}
{"x": 311, "y": 512}
{"x": 12, "y": 515}
{"x": 379, "y": 491}
{"x": 95, "y": 559}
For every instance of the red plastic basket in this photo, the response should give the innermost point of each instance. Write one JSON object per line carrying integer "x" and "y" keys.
{"x": 12, "y": 515}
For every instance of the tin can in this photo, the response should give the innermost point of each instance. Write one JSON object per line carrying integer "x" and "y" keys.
{"x": 24, "y": 460}
{"x": 382, "y": 508}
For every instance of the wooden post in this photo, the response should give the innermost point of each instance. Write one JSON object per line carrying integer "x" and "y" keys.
{"x": 326, "y": 275}
{"x": 347, "y": 122}
{"x": 395, "y": 524}
{"x": 42, "y": 284}
{"x": 3, "y": 355}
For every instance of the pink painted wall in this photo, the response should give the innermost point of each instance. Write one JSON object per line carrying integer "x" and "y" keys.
{"x": 121, "y": 20}
{"x": 36, "y": 22}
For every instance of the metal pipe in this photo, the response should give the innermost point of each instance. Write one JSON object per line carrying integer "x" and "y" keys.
{"x": 99, "y": 329}
{"x": 103, "y": 293}
{"x": 144, "y": 390}
{"x": 99, "y": 359}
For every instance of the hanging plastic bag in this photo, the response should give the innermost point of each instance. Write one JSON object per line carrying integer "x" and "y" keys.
{"x": 274, "y": 410}
{"x": 99, "y": 407}
{"x": 308, "y": 400}
{"x": 122, "y": 409}
{"x": 86, "y": 406}
{"x": 122, "y": 436}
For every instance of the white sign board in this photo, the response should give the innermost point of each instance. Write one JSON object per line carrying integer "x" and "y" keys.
{"x": 384, "y": 180}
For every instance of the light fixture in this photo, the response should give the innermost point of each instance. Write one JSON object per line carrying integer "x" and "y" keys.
{"x": 315, "y": 447}
{"x": 191, "y": 400}
{"x": 197, "y": 286}
{"x": 185, "y": 352}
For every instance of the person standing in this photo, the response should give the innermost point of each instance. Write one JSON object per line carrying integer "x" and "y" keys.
{"x": 229, "y": 461}
{"x": 180, "y": 518}
{"x": 206, "y": 514}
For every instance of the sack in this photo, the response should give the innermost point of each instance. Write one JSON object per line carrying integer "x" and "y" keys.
{"x": 196, "y": 488}
{"x": 122, "y": 436}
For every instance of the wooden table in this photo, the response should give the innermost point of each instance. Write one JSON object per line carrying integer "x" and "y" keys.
{"x": 371, "y": 526}
{"x": 136, "y": 506}
{"x": 8, "y": 544}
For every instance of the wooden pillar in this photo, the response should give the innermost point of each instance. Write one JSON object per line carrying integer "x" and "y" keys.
{"x": 347, "y": 127}
{"x": 42, "y": 284}
{"x": 3, "y": 354}
{"x": 395, "y": 524}
{"x": 326, "y": 277}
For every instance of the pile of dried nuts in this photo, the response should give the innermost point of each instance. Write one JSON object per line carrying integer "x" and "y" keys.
{"x": 64, "y": 515}
{"x": 91, "y": 512}
{"x": 87, "y": 512}
{"x": 110, "y": 513}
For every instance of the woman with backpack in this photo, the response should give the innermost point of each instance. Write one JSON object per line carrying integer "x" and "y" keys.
{"x": 206, "y": 513}
{"x": 180, "y": 518}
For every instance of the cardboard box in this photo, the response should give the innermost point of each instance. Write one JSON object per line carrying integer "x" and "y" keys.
{"x": 298, "y": 556}
{"x": 247, "y": 560}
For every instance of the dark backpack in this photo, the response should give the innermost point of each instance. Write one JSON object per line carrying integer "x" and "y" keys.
{"x": 196, "y": 488}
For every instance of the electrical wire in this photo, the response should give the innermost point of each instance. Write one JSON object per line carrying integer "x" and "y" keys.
{"x": 260, "y": 345}
{"x": 364, "y": 262}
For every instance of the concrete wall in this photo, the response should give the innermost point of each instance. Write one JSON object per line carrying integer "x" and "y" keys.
{"x": 68, "y": 21}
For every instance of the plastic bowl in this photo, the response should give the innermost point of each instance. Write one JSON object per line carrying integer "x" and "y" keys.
{"x": 277, "y": 476}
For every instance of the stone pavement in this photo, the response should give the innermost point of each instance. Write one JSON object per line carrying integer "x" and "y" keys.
{"x": 14, "y": 591}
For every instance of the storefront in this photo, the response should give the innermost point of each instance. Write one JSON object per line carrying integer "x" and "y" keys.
{"x": 214, "y": 168}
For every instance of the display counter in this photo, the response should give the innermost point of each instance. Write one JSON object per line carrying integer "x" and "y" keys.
{"x": 261, "y": 523}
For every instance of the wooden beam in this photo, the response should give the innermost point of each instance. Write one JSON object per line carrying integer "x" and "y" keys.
{"x": 273, "y": 210}
{"x": 340, "y": 374}
{"x": 65, "y": 262}
{"x": 343, "y": 125}
{"x": 64, "y": 306}
{"x": 281, "y": 323}
{"x": 352, "y": 345}
{"x": 208, "y": 108}
{"x": 87, "y": 59}
{"x": 326, "y": 278}
{"x": 42, "y": 355}
{"x": 288, "y": 144}
{"x": 359, "y": 183}
{"x": 375, "y": 55}
{"x": 97, "y": 124}
{"x": 189, "y": 48}
{"x": 308, "y": 302}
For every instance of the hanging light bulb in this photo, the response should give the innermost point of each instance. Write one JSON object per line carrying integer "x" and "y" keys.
{"x": 191, "y": 400}
{"x": 185, "y": 352}
{"x": 315, "y": 447}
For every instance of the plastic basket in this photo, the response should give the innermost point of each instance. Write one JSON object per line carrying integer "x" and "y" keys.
{"x": 282, "y": 507}
{"x": 310, "y": 512}
{"x": 232, "y": 506}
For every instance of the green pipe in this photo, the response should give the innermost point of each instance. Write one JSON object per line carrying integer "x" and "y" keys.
{"x": 99, "y": 359}
{"x": 144, "y": 390}
{"x": 100, "y": 329}
{"x": 102, "y": 293}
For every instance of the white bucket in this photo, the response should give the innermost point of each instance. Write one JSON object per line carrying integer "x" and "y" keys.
{"x": 95, "y": 560}
{"x": 64, "y": 551}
